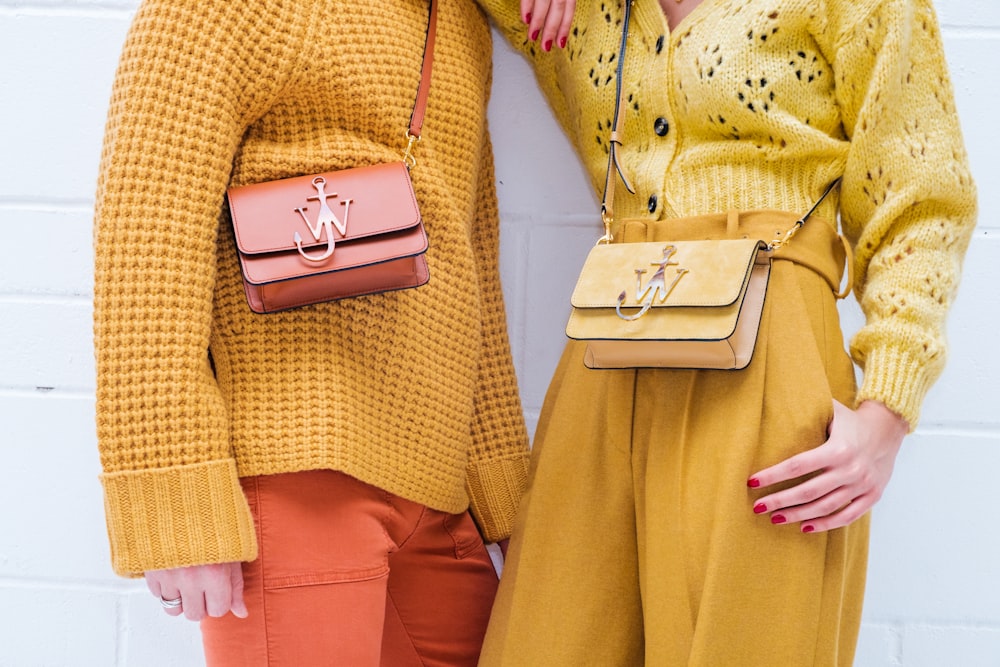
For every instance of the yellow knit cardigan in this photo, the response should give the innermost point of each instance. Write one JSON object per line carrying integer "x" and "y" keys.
{"x": 762, "y": 103}
{"x": 411, "y": 391}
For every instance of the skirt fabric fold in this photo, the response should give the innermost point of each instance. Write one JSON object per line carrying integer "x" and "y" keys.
{"x": 636, "y": 543}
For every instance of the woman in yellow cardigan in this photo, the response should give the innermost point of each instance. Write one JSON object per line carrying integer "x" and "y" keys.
{"x": 309, "y": 470}
{"x": 707, "y": 518}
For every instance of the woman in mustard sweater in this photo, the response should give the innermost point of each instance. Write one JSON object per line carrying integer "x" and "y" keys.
{"x": 309, "y": 470}
{"x": 713, "y": 518}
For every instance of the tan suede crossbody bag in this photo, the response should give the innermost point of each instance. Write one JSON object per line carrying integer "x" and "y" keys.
{"x": 690, "y": 301}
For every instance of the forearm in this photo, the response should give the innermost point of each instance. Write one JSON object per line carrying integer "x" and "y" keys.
{"x": 497, "y": 469}
{"x": 185, "y": 91}
{"x": 908, "y": 201}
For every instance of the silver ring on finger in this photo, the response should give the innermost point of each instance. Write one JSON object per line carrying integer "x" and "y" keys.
{"x": 170, "y": 604}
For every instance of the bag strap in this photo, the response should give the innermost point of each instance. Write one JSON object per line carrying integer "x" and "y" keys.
{"x": 614, "y": 165}
{"x": 782, "y": 240}
{"x": 617, "y": 130}
{"x": 423, "y": 89}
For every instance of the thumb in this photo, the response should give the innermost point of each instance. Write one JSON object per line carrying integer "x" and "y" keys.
{"x": 839, "y": 413}
{"x": 237, "y": 606}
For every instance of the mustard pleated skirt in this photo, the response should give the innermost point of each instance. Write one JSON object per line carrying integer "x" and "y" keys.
{"x": 636, "y": 542}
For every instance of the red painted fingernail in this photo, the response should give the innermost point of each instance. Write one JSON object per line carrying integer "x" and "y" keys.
{"x": 808, "y": 529}
{"x": 777, "y": 518}
{"x": 562, "y": 42}
{"x": 534, "y": 35}
{"x": 759, "y": 508}
{"x": 527, "y": 17}
{"x": 548, "y": 45}
{"x": 753, "y": 482}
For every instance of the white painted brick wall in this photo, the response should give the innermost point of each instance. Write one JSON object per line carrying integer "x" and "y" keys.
{"x": 934, "y": 592}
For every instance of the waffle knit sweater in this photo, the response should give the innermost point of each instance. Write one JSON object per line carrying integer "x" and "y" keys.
{"x": 411, "y": 391}
{"x": 753, "y": 104}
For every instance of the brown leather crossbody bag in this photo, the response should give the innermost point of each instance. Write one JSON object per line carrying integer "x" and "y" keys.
{"x": 323, "y": 237}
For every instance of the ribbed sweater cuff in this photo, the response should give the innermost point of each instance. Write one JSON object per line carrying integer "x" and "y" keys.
{"x": 897, "y": 378}
{"x": 495, "y": 489}
{"x": 179, "y": 516}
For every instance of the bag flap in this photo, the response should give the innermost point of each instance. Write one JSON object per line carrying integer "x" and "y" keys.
{"x": 266, "y": 268}
{"x": 690, "y": 273}
{"x": 362, "y": 202}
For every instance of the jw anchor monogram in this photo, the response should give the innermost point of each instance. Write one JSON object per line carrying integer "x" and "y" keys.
{"x": 657, "y": 285}
{"x": 326, "y": 220}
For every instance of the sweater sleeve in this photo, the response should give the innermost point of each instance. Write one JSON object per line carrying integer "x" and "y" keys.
{"x": 498, "y": 461}
{"x": 908, "y": 202}
{"x": 192, "y": 76}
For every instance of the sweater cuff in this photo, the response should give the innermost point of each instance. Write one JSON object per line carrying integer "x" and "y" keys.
{"x": 495, "y": 488}
{"x": 177, "y": 517}
{"x": 898, "y": 379}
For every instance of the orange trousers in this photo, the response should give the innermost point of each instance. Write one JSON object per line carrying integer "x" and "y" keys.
{"x": 349, "y": 574}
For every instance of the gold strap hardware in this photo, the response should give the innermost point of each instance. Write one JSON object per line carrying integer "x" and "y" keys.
{"x": 780, "y": 240}
{"x": 423, "y": 89}
{"x": 606, "y": 219}
{"x": 408, "y": 158}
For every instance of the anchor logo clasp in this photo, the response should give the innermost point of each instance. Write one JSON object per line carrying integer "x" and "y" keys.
{"x": 326, "y": 220}
{"x": 656, "y": 287}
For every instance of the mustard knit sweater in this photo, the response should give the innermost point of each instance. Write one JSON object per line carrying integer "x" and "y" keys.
{"x": 761, "y": 104}
{"x": 412, "y": 391}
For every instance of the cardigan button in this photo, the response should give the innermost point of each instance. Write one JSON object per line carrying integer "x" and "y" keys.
{"x": 651, "y": 205}
{"x": 659, "y": 44}
{"x": 661, "y": 126}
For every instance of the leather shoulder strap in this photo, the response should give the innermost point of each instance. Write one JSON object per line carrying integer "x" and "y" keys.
{"x": 420, "y": 104}
{"x": 614, "y": 166}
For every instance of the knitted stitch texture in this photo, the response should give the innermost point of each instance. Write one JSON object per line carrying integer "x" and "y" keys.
{"x": 753, "y": 104}
{"x": 411, "y": 391}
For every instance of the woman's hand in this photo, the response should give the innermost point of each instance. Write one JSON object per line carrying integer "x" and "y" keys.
{"x": 203, "y": 590}
{"x": 548, "y": 21}
{"x": 848, "y": 472}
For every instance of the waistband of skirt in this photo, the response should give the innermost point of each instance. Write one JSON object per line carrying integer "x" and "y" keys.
{"x": 816, "y": 245}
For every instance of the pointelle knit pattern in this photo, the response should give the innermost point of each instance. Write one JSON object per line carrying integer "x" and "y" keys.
{"x": 760, "y": 104}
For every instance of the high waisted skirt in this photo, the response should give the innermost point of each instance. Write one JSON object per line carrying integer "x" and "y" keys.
{"x": 636, "y": 542}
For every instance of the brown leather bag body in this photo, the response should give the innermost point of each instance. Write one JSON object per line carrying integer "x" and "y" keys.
{"x": 323, "y": 237}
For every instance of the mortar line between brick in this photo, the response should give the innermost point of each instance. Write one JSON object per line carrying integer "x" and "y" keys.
{"x": 961, "y": 429}
{"x": 41, "y": 393}
{"x": 48, "y": 299}
{"x": 933, "y": 623}
{"x": 122, "y": 608}
{"x": 99, "y": 11}
{"x": 24, "y": 204}
{"x": 970, "y": 31}
{"x": 75, "y": 585}
{"x": 896, "y": 648}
